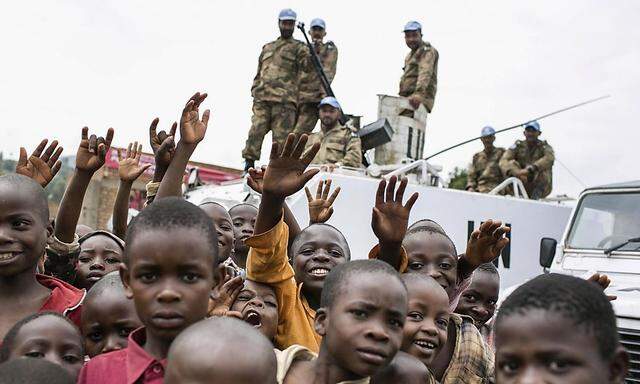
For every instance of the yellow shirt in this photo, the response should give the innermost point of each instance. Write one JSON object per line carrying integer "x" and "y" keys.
{"x": 268, "y": 263}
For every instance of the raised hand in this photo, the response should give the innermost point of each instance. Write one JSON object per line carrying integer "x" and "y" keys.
{"x": 390, "y": 218}
{"x": 224, "y": 294}
{"x": 286, "y": 173}
{"x": 192, "y": 128}
{"x": 162, "y": 144}
{"x": 255, "y": 178}
{"x": 603, "y": 281}
{"x": 321, "y": 208}
{"x": 40, "y": 166}
{"x": 129, "y": 168}
{"x": 486, "y": 243}
{"x": 92, "y": 150}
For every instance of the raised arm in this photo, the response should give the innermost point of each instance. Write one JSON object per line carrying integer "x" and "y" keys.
{"x": 390, "y": 219}
{"x": 40, "y": 166}
{"x": 129, "y": 170}
{"x": 484, "y": 245}
{"x": 192, "y": 131}
{"x": 284, "y": 176}
{"x": 90, "y": 157}
{"x": 321, "y": 208}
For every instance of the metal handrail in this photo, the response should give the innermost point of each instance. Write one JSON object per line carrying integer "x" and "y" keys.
{"x": 515, "y": 183}
{"x": 423, "y": 165}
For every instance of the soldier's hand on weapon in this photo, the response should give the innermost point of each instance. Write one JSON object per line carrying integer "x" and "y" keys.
{"x": 486, "y": 243}
{"x": 129, "y": 168}
{"x": 92, "y": 151}
{"x": 414, "y": 101}
{"x": 390, "y": 218}
{"x": 321, "y": 208}
{"x": 162, "y": 144}
{"x": 255, "y": 178}
{"x": 286, "y": 173}
{"x": 192, "y": 128}
{"x": 40, "y": 166}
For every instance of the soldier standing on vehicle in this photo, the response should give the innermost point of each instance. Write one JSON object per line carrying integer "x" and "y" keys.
{"x": 484, "y": 172}
{"x": 311, "y": 91}
{"x": 419, "y": 81}
{"x": 531, "y": 161}
{"x": 339, "y": 146}
{"x": 275, "y": 88}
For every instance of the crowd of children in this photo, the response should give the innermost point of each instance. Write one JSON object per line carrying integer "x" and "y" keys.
{"x": 202, "y": 294}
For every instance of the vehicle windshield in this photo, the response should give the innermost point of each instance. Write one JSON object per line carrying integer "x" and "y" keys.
{"x": 604, "y": 220}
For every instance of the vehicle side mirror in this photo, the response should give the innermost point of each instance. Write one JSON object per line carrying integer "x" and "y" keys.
{"x": 547, "y": 251}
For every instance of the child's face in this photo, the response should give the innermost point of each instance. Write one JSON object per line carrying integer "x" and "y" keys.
{"x": 362, "y": 330}
{"x": 479, "y": 300}
{"x": 425, "y": 331}
{"x": 259, "y": 307}
{"x": 53, "y": 339}
{"x": 244, "y": 221}
{"x": 99, "y": 255}
{"x": 23, "y": 232}
{"x": 169, "y": 278}
{"x": 224, "y": 228}
{"x": 433, "y": 254}
{"x": 544, "y": 347}
{"x": 317, "y": 251}
{"x": 107, "y": 321}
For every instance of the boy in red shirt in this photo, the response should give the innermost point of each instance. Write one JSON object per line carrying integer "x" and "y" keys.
{"x": 169, "y": 262}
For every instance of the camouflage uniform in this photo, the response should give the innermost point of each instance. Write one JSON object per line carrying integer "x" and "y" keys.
{"x": 275, "y": 92}
{"x": 420, "y": 77}
{"x": 338, "y": 145}
{"x": 311, "y": 91}
{"x": 540, "y": 156}
{"x": 484, "y": 172}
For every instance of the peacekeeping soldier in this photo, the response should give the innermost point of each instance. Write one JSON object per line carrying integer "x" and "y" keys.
{"x": 419, "y": 81}
{"x": 531, "y": 161}
{"x": 338, "y": 144}
{"x": 484, "y": 172}
{"x": 311, "y": 91}
{"x": 275, "y": 88}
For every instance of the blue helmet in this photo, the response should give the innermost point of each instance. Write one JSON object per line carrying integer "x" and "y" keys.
{"x": 318, "y": 23}
{"x": 329, "y": 100}
{"x": 488, "y": 131}
{"x": 287, "y": 14}
{"x": 412, "y": 26}
{"x": 533, "y": 125}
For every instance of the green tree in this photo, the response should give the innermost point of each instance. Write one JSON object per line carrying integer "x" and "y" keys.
{"x": 458, "y": 178}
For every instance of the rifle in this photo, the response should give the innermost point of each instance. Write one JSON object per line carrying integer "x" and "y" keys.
{"x": 317, "y": 65}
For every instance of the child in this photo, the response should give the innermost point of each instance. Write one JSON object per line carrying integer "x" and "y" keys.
{"x": 100, "y": 254}
{"x": 224, "y": 227}
{"x": 480, "y": 299}
{"x": 32, "y": 371}
{"x": 558, "y": 329}
{"x": 25, "y": 226}
{"x": 220, "y": 351}
{"x": 250, "y": 301}
{"x": 170, "y": 258}
{"x": 243, "y": 217}
{"x": 108, "y": 317}
{"x": 405, "y": 369}
{"x": 361, "y": 315}
{"x": 45, "y": 335}
{"x": 425, "y": 331}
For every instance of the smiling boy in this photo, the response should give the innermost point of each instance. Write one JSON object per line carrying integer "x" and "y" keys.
{"x": 170, "y": 258}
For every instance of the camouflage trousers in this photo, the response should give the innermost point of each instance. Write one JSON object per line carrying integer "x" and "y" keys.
{"x": 540, "y": 186}
{"x": 307, "y": 117}
{"x": 279, "y": 118}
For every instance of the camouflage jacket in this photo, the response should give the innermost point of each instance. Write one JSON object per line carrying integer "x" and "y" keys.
{"x": 338, "y": 145}
{"x": 540, "y": 156}
{"x": 311, "y": 90}
{"x": 280, "y": 66}
{"x": 484, "y": 172}
{"x": 420, "y": 77}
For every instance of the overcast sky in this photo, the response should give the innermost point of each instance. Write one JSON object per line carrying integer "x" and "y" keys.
{"x": 105, "y": 63}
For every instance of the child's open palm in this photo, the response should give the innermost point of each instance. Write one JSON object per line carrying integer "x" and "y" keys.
{"x": 192, "y": 128}
{"x": 321, "y": 208}
{"x": 390, "y": 218}
{"x": 286, "y": 174}
{"x": 129, "y": 167}
{"x": 40, "y": 166}
{"x": 486, "y": 242}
